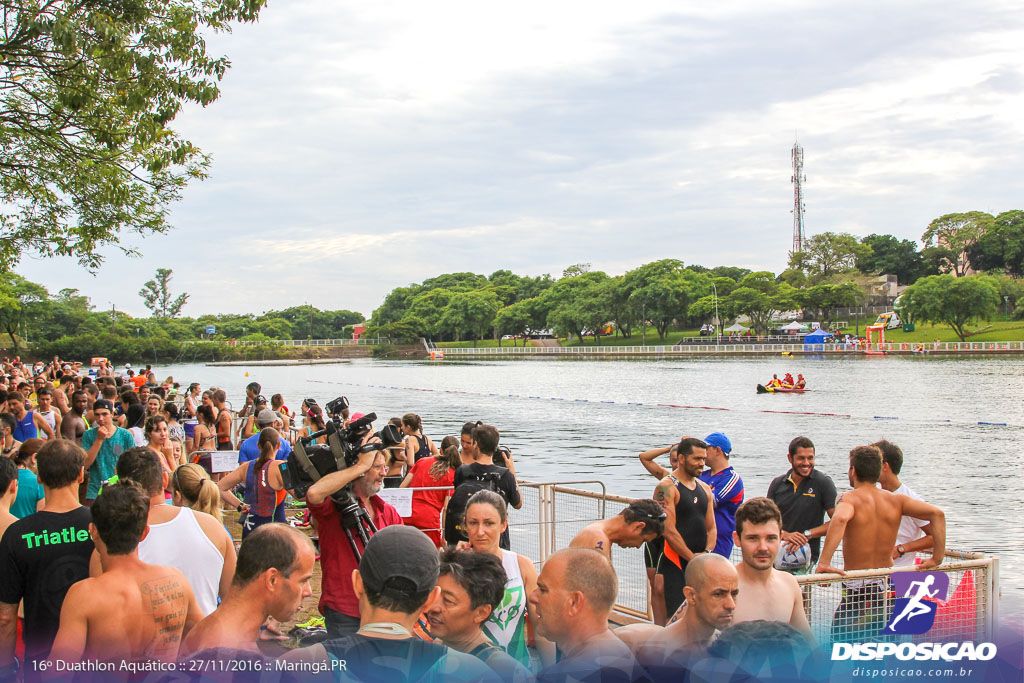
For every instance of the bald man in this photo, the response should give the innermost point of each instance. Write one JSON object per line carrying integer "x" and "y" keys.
{"x": 573, "y": 599}
{"x": 712, "y": 587}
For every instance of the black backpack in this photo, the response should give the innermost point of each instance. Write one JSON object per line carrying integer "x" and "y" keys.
{"x": 455, "y": 517}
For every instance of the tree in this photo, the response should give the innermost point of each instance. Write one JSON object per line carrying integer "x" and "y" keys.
{"x": 471, "y": 312}
{"x": 760, "y": 298}
{"x": 663, "y": 291}
{"x": 889, "y": 255}
{"x": 827, "y": 297}
{"x": 514, "y": 320}
{"x": 950, "y": 300}
{"x": 829, "y": 253}
{"x": 20, "y": 301}
{"x": 569, "y": 310}
{"x": 156, "y": 294}
{"x": 1001, "y": 246}
{"x": 88, "y": 91}
{"x": 958, "y": 232}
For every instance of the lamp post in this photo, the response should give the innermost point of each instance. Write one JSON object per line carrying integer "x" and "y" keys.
{"x": 1006, "y": 308}
{"x": 643, "y": 324}
{"x": 718, "y": 323}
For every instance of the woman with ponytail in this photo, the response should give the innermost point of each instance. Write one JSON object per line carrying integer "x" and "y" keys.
{"x": 432, "y": 472}
{"x": 192, "y": 487}
{"x": 262, "y": 479}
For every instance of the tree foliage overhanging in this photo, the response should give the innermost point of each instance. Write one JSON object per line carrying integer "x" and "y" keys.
{"x": 88, "y": 91}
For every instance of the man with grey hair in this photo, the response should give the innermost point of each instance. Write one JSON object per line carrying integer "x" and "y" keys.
{"x": 338, "y": 601}
{"x": 575, "y": 593}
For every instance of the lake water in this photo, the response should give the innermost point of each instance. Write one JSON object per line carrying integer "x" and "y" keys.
{"x": 569, "y": 420}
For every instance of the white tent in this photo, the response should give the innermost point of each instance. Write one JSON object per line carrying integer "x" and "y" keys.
{"x": 736, "y": 327}
{"x": 793, "y": 327}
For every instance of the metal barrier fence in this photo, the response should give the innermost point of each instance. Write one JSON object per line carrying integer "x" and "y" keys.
{"x": 739, "y": 349}
{"x": 851, "y": 608}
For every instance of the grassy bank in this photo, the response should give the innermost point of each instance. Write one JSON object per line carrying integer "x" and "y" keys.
{"x": 992, "y": 331}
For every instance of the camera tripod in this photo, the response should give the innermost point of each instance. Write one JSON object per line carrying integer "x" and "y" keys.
{"x": 354, "y": 518}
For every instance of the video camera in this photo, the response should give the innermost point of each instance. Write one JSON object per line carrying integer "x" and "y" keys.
{"x": 309, "y": 461}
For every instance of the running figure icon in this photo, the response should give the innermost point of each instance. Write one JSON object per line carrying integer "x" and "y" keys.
{"x": 914, "y": 604}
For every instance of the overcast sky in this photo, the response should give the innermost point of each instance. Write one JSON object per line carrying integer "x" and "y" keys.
{"x": 358, "y": 147}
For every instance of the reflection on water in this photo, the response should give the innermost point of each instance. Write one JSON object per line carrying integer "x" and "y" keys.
{"x": 571, "y": 420}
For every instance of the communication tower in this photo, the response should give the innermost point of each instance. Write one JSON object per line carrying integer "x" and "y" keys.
{"x": 798, "y": 181}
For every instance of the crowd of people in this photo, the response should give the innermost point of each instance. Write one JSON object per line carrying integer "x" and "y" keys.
{"x": 114, "y": 545}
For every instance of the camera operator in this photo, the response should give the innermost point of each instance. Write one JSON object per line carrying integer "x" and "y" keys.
{"x": 338, "y": 602}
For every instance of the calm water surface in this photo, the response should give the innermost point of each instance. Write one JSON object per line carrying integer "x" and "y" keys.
{"x": 569, "y": 420}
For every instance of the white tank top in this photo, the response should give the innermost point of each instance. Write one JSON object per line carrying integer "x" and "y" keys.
{"x": 506, "y": 626}
{"x": 181, "y": 543}
{"x": 50, "y": 420}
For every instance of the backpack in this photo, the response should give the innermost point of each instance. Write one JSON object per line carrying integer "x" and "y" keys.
{"x": 487, "y": 481}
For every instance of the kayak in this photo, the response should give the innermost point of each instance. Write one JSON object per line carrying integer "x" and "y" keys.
{"x": 762, "y": 389}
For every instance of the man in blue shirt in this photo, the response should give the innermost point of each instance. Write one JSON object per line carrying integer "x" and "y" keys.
{"x": 250, "y": 449}
{"x": 727, "y": 487}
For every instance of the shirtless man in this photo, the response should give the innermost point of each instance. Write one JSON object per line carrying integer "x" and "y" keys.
{"x": 271, "y": 579}
{"x": 712, "y": 589}
{"x": 133, "y": 610}
{"x": 768, "y": 594}
{"x": 72, "y": 427}
{"x": 867, "y": 520}
{"x": 641, "y": 522}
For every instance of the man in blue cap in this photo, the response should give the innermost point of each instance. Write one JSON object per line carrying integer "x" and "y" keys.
{"x": 727, "y": 487}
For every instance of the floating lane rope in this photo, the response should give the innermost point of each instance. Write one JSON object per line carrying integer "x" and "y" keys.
{"x": 983, "y": 423}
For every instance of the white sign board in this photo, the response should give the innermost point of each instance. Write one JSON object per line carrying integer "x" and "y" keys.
{"x": 223, "y": 461}
{"x": 401, "y": 499}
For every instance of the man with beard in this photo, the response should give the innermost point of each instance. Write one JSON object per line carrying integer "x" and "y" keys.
{"x": 690, "y": 518}
{"x": 804, "y": 496}
{"x": 767, "y": 593}
{"x": 338, "y": 601}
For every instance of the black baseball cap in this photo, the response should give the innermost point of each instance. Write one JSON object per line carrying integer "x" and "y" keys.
{"x": 103, "y": 404}
{"x": 399, "y": 551}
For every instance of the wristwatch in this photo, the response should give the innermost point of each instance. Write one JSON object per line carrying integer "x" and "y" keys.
{"x": 807, "y": 533}
{"x": 239, "y": 508}
{"x": 901, "y": 549}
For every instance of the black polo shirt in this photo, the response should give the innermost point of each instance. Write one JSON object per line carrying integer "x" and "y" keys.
{"x": 803, "y": 507}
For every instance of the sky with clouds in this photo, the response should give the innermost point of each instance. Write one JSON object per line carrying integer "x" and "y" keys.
{"x": 358, "y": 147}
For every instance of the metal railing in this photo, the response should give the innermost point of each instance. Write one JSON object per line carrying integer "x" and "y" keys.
{"x": 554, "y": 512}
{"x": 307, "y": 342}
{"x": 740, "y": 349}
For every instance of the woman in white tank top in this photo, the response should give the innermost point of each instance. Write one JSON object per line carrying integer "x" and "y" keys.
{"x": 486, "y": 519}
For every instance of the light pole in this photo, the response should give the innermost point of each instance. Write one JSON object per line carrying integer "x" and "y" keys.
{"x": 1006, "y": 308}
{"x": 643, "y": 324}
{"x": 718, "y": 323}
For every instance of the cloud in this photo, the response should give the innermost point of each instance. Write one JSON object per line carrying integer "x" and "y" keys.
{"x": 362, "y": 147}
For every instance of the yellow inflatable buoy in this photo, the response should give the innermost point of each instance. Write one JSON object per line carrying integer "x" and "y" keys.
{"x": 787, "y": 354}
{"x": 247, "y": 374}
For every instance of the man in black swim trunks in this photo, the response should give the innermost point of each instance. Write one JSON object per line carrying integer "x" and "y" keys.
{"x": 690, "y": 518}
{"x": 655, "y": 550}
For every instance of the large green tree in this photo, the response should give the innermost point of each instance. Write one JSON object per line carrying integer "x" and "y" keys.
{"x": 952, "y": 301}
{"x": 21, "y": 300}
{"x": 760, "y": 297}
{"x": 959, "y": 233}
{"x": 88, "y": 92}
{"x": 662, "y": 291}
{"x": 889, "y": 255}
{"x": 471, "y": 313}
{"x": 827, "y": 254}
{"x": 1001, "y": 245}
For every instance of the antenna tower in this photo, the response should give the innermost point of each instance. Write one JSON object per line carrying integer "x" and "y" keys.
{"x": 798, "y": 181}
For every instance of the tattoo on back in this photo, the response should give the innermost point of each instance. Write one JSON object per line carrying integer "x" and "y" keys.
{"x": 164, "y": 601}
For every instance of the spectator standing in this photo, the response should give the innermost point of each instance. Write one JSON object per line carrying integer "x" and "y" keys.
{"x": 262, "y": 482}
{"x": 41, "y": 573}
{"x": 482, "y": 473}
{"x": 30, "y": 491}
{"x": 804, "y": 496}
{"x": 103, "y": 446}
{"x": 437, "y": 471}
{"x": 727, "y": 488}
